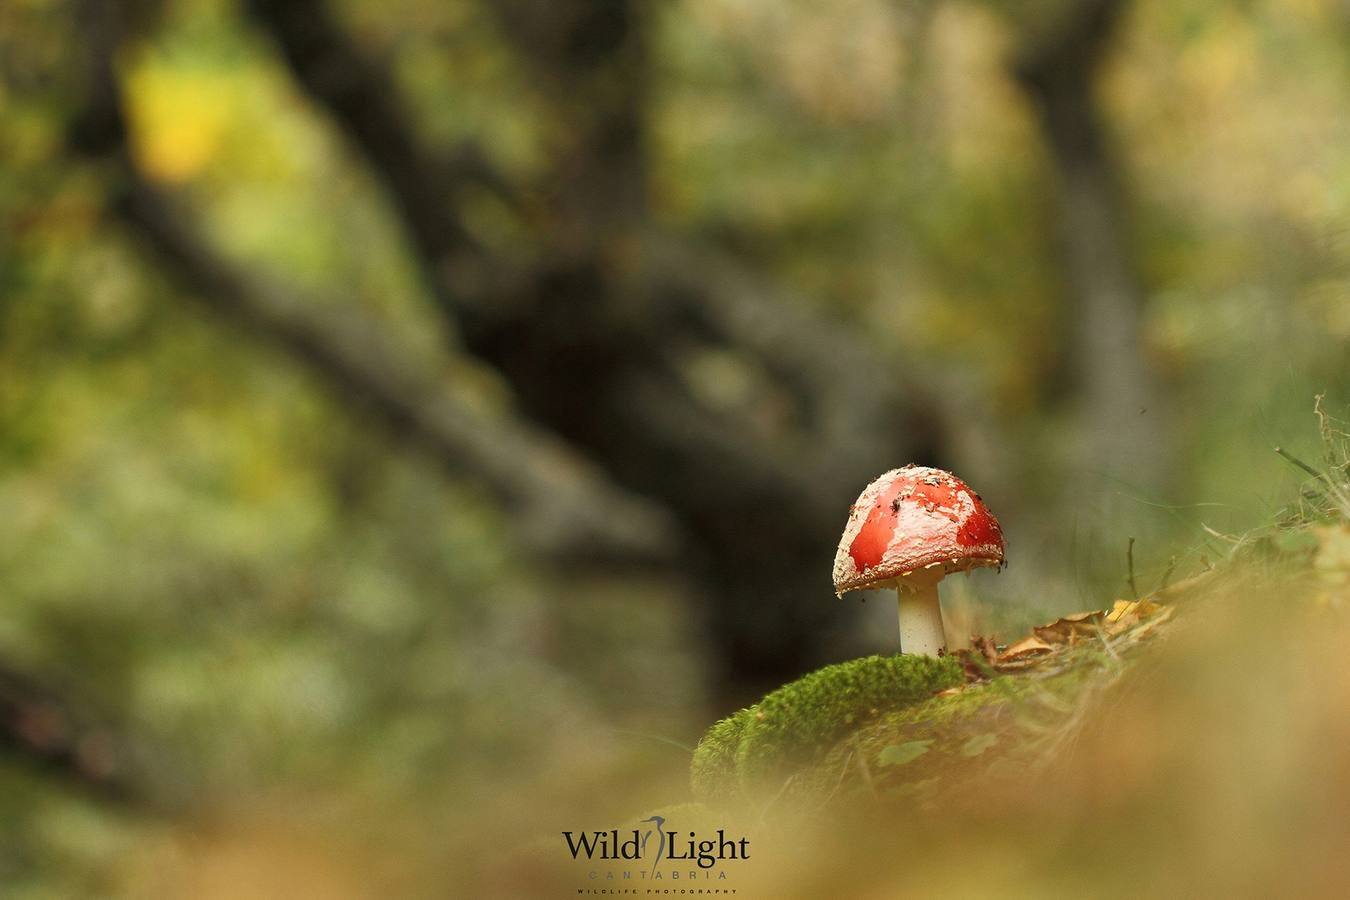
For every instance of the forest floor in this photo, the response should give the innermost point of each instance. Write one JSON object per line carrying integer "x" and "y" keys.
{"x": 1200, "y": 733}
{"x": 1191, "y": 741}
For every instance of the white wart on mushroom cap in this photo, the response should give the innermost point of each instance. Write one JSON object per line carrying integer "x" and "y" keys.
{"x": 915, "y": 522}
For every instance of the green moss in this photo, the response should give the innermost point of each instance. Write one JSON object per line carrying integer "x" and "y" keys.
{"x": 967, "y": 737}
{"x": 877, "y": 728}
{"x": 712, "y": 771}
{"x": 797, "y": 723}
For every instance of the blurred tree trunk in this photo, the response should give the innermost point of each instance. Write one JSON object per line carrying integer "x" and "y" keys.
{"x": 594, "y": 334}
{"x": 1121, "y": 419}
{"x": 596, "y": 361}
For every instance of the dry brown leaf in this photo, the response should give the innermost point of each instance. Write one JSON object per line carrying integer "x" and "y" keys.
{"x": 1026, "y": 662}
{"x": 985, "y": 646}
{"x": 1127, "y": 614}
{"x": 1139, "y": 609}
{"x": 1132, "y": 619}
{"x": 1069, "y": 629}
{"x": 1138, "y": 631}
{"x": 1027, "y": 646}
{"x": 979, "y": 658}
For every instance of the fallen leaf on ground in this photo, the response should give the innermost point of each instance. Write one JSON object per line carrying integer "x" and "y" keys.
{"x": 1126, "y": 616}
{"x": 1135, "y": 619}
{"x": 1134, "y": 631}
{"x": 1070, "y": 628}
{"x": 1122, "y": 610}
{"x": 986, "y": 647}
{"x": 1028, "y": 646}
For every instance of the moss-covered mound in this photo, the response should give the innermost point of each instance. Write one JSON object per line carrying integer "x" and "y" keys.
{"x": 797, "y": 723}
{"x": 712, "y": 771}
{"x": 963, "y": 741}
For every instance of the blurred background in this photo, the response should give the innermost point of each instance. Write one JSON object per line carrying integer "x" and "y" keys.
{"x": 411, "y": 409}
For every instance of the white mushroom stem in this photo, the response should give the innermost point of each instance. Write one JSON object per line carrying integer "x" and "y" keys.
{"x": 921, "y": 614}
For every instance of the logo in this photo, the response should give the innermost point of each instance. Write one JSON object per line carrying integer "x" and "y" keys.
{"x": 656, "y": 854}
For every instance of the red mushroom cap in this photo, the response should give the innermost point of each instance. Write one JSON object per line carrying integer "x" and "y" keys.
{"x": 910, "y": 519}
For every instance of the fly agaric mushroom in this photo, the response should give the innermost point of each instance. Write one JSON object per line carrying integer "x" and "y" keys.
{"x": 908, "y": 530}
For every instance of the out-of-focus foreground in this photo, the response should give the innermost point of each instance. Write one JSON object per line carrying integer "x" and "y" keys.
{"x": 1199, "y": 752}
{"x": 419, "y": 420}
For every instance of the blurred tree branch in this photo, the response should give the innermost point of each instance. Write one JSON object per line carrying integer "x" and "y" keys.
{"x": 559, "y": 507}
{"x": 595, "y": 336}
{"x": 678, "y": 287}
{"x": 360, "y": 93}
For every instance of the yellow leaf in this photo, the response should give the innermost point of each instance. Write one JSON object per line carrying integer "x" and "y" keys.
{"x": 1127, "y": 610}
{"x": 179, "y": 119}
